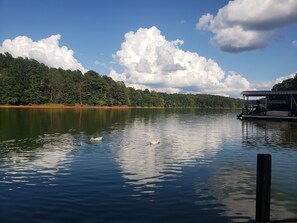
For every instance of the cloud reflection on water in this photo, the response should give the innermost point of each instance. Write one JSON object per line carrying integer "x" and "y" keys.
{"x": 234, "y": 182}
{"x": 37, "y": 165}
{"x": 234, "y": 185}
{"x": 185, "y": 141}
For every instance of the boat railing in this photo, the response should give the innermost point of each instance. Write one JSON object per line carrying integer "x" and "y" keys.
{"x": 269, "y": 104}
{"x": 254, "y": 109}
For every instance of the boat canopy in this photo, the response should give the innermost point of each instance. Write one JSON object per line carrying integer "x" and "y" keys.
{"x": 274, "y": 105}
{"x": 267, "y": 93}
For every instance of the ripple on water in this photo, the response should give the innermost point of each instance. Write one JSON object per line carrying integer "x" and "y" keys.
{"x": 203, "y": 170}
{"x": 39, "y": 163}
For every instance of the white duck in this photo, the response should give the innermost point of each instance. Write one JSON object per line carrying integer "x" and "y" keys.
{"x": 95, "y": 139}
{"x": 154, "y": 142}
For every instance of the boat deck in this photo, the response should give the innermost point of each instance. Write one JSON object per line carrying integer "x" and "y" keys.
{"x": 269, "y": 105}
{"x": 268, "y": 117}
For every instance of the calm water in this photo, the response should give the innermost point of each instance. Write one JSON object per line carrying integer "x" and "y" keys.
{"x": 203, "y": 170}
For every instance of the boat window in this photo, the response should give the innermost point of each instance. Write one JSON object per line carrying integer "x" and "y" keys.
{"x": 276, "y": 102}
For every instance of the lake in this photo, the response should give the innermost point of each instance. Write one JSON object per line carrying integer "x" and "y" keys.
{"x": 203, "y": 170}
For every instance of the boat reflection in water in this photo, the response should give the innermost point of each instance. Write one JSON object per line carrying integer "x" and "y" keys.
{"x": 280, "y": 138}
{"x": 204, "y": 168}
{"x": 276, "y": 133}
{"x": 234, "y": 180}
{"x": 230, "y": 189}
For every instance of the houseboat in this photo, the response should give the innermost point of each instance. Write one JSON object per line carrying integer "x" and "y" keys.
{"x": 269, "y": 105}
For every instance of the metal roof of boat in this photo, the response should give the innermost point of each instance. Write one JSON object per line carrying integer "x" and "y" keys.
{"x": 266, "y": 93}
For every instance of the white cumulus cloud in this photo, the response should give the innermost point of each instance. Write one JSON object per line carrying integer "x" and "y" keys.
{"x": 248, "y": 24}
{"x": 281, "y": 79}
{"x": 269, "y": 84}
{"x": 46, "y": 51}
{"x": 150, "y": 61}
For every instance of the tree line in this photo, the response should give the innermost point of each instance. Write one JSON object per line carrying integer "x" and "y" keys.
{"x": 25, "y": 81}
{"x": 286, "y": 85}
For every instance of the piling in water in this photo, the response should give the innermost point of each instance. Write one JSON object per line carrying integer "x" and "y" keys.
{"x": 263, "y": 189}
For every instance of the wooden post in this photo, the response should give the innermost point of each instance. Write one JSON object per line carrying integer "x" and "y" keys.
{"x": 263, "y": 189}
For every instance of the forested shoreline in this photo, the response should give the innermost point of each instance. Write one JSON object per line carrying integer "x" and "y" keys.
{"x": 286, "y": 85}
{"x": 27, "y": 82}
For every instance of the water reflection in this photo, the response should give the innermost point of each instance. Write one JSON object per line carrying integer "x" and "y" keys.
{"x": 234, "y": 184}
{"x": 48, "y": 155}
{"x": 185, "y": 141}
{"x": 204, "y": 167}
{"x": 269, "y": 132}
{"x": 234, "y": 187}
{"x": 279, "y": 139}
{"x": 22, "y": 124}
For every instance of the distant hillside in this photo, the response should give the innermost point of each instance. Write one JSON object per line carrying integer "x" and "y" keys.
{"x": 289, "y": 84}
{"x": 26, "y": 81}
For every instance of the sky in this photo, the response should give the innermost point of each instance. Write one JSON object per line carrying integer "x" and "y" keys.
{"x": 177, "y": 46}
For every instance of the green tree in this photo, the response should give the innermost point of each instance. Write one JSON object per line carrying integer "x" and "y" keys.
{"x": 289, "y": 84}
{"x": 92, "y": 89}
{"x": 54, "y": 80}
{"x": 71, "y": 86}
{"x": 24, "y": 81}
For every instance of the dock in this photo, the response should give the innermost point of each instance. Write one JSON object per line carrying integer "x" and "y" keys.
{"x": 269, "y": 105}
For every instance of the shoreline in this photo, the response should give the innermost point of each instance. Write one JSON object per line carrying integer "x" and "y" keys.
{"x": 62, "y": 106}
{"x": 97, "y": 107}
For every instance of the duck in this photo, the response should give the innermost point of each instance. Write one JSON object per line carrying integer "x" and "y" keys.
{"x": 154, "y": 142}
{"x": 96, "y": 139}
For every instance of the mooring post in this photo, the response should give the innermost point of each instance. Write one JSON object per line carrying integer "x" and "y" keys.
{"x": 263, "y": 188}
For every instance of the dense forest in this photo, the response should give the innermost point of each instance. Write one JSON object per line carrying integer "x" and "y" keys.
{"x": 289, "y": 84}
{"x": 26, "y": 82}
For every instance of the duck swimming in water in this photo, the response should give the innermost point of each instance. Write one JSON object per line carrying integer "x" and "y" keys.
{"x": 95, "y": 139}
{"x": 154, "y": 142}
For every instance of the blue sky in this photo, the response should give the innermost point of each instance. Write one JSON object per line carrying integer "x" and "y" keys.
{"x": 243, "y": 47}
